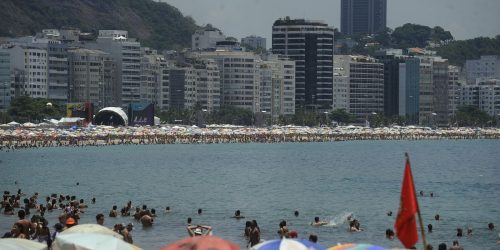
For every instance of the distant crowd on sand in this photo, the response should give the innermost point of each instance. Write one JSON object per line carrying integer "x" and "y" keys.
{"x": 28, "y": 139}
{"x": 70, "y": 210}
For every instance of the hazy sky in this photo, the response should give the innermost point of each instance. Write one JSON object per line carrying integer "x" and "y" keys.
{"x": 239, "y": 18}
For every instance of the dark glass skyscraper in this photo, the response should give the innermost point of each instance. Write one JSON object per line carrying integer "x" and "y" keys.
{"x": 363, "y": 16}
{"x": 310, "y": 45}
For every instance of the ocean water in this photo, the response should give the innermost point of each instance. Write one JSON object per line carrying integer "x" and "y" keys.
{"x": 268, "y": 182}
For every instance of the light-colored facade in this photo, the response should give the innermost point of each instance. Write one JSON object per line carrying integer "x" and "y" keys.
{"x": 277, "y": 86}
{"x": 455, "y": 82}
{"x": 366, "y": 84}
{"x": 126, "y": 53}
{"x": 341, "y": 83}
{"x": 58, "y": 72}
{"x": 254, "y": 42}
{"x": 487, "y": 67}
{"x": 5, "y": 81}
{"x": 34, "y": 62}
{"x": 206, "y": 38}
{"x": 163, "y": 96}
{"x": 239, "y": 76}
{"x": 310, "y": 45}
{"x": 207, "y": 84}
{"x": 484, "y": 95}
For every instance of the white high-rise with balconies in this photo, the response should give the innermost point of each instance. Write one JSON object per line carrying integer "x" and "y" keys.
{"x": 126, "y": 52}
{"x": 239, "y": 76}
{"x": 366, "y": 85}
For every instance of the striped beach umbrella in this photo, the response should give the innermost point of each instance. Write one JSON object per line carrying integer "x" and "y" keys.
{"x": 288, "y": 244}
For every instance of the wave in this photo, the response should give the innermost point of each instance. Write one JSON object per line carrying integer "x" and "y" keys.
{"x": 338, "y": 219}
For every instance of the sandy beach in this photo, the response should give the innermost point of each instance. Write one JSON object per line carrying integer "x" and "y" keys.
{"x": 33, "y": 136}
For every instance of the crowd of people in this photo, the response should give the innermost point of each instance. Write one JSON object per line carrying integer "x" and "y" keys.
{"x": 97, "y": 136}
{"x": 71, "y": 209}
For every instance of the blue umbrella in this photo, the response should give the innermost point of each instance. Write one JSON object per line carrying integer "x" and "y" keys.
{"x": 288, "y": 244}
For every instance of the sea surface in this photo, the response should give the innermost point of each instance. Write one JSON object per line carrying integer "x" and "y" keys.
{"x": 268, "y": 182}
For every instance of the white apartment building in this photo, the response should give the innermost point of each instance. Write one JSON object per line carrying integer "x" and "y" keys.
{"x": 366, "y": 84}
{"x": 5, "y": 81}
{"x": 455, "y": 82}
{"x": 207, "y": 84}
{"x": 33, "y": 61}
{"x": 486, "y": 67}
{"x": 484, "y": 95}
{"x": 341, "y": 83}
{"x": 239, "y": 76}
{"x": 126, "y": 53}
{"x": 206, "y": 38}
{"x": 277, "y": 86}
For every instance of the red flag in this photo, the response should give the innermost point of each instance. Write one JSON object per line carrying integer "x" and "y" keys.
{"x": 406, "y": 223}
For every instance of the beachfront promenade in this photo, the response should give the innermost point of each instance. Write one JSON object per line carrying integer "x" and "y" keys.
{"x": 25, "y": 137}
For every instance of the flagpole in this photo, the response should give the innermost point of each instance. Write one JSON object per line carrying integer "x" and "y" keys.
{"x": 422, "y": 230}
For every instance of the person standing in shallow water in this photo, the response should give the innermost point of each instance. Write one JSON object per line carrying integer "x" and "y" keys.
{"x": 254, "y": 237}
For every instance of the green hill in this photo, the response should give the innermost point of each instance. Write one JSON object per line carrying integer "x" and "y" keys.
{"x": 155, "y": 24}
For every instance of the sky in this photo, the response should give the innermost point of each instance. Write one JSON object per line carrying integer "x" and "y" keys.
{"x": 239, "y": 18}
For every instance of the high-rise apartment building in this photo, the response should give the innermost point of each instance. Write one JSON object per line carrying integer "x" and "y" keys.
{"x": 58, "y": 72}
{"x": 277, "y": 85}
{"x": 91, "y": 77}
{"x": 366, "y": 84}
{"x": 310, "y": 45}
{"x": 239, "y": 77}
{"x": 207, "y": 84}
{"x": 5, "y": 81}
{"x": 363, "y": 16}
{"x": 408, "y": 87}
{"x": 484, "y": 95}
{"x": 33, "y": 61}
{"x": 455, "y": 81}
{"x": 126, "y": 52}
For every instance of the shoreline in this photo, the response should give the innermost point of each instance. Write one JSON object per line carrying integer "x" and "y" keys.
{"x": 105, "y": 136}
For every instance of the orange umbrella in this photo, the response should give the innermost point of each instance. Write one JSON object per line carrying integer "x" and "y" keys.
{"x": 202, "y": 243}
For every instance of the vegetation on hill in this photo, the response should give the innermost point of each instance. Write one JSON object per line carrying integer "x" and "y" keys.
{"x": 155, "y": 24}
{"x": 458, "y": 51}
{"x": 414, "y": 35}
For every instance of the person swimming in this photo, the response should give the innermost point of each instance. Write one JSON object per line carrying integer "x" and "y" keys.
{"x": 317, "y": 222}
{"x": 389, "y": 234}
{"x": 237, "y": 215}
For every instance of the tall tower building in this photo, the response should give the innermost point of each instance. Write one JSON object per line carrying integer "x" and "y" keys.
{"x": 310, "y": 45}
{"x": 363, "y": 16}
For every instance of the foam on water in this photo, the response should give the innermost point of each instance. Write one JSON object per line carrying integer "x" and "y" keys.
{"x": 338, "y": 219}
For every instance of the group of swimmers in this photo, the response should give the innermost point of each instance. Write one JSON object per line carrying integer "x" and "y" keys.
{"x": 71, "y": 209}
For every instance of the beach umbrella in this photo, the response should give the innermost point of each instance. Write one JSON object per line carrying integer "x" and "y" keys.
{"x": 92, "y": 228}
{"x": 289, "y": 244}
{"x": 21, "y": 244}
{"x": 202, "y": 243}
{"x": 95, "y": 241}
{"x": 352, "y": 246}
